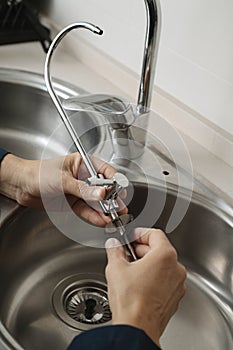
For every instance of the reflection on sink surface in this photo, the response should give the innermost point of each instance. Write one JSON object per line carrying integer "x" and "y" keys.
{"x": 29, "y": 121}
{"x": 42, "y": 271}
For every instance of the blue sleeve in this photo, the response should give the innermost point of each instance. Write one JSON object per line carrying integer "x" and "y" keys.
{"x": 113, "y": 337}
{"x": 3, "y": 153}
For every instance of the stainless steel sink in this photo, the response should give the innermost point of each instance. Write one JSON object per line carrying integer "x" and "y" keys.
{"x": 46, "y": 278}
{"x": 53, "y": 288}
{"x": 29, "y": 122}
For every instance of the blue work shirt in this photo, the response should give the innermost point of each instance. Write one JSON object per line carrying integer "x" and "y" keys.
{"x": 3, "y": 153}
{"x": 117, "y": 337}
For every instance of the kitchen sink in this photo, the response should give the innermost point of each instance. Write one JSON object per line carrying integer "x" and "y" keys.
{"x": 30, "y": 125}
{"x": 55, "y": 288}
{"x": 52, "y": 286}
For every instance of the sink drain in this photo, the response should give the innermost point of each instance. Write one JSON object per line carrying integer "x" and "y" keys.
{"x": 82, "y": 302}
{"x": 88, "y": 305}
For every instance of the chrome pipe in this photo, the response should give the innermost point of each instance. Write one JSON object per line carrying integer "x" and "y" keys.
{"x": 74, "y": 136}
{"x": 153, "y": 29}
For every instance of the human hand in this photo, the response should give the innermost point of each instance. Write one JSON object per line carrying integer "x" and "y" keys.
{"x": 27, "y": 181}
{"x": 145, "y": 293}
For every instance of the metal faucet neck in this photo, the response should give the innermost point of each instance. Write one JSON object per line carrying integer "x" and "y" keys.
{"x": 153, "y": 29}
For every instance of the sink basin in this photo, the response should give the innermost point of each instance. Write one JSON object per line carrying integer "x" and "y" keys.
{"x": 29, "y": 121}
{"x": 48, "y": 278}
{"x": 53, "y": 287}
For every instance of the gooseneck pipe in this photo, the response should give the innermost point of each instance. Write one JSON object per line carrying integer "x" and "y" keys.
{"x": 55, "y": 99}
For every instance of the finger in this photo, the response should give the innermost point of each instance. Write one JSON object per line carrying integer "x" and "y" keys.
{"x": 103, "y": 168}
{"x": 122, "y": 207}
{"x": 72, "y": 163}
{"x": 82, "y": 190}
{"x": 183, "y": 272}
{"x": 115, "y": 251}
{"x": 151, "y": 237}
{"x": 123, "y": 194}
{"x": 83, "y": 210}
{"x": 141, "y": 250}
{"x": 100, "y": 166}
{"x": 93, "y": 194}
{"x": 30, "y": 201}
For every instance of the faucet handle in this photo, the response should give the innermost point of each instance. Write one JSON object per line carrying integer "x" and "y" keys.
{"x": 106, "y": 104}
{"x": 119, "y": 113}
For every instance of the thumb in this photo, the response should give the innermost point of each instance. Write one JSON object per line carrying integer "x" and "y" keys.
{"x": 115, "y": 251}
{"x": 82, "y": 190}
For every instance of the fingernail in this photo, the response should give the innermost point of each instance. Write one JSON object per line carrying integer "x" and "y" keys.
{"x": 96, "y": 193}
{"x": 111, "y": 243}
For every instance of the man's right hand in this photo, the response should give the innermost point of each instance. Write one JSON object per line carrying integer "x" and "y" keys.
{"x": 145, "y": 293}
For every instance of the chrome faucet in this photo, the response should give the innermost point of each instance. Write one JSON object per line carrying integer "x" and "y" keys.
{"x": 122, "y": 115}
{"x": 128, "y": 136}
{"x": 119, "y": 182}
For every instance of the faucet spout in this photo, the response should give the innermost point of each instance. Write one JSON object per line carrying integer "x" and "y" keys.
{"x": 128, "y": 124}
{"x": 48, "y": 81}
{"x": 153, "y": 29}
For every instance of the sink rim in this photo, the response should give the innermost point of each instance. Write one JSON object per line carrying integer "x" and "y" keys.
{"x": 36, "y": 80}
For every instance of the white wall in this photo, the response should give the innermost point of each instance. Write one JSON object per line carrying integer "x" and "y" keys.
{"x": 196, "y": 51}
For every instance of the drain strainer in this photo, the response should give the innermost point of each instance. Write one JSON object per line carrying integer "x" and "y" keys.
{"x": 82, "y": 302}
{"x": 88, "y": 305}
